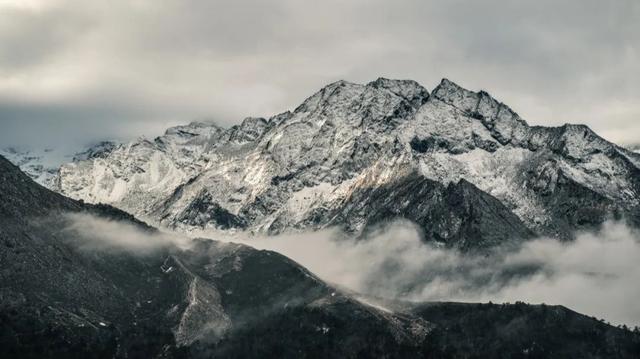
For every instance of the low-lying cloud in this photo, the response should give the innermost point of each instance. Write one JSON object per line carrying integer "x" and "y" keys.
{"x": 91, "y": 233}
{"x": 597, "y": 274}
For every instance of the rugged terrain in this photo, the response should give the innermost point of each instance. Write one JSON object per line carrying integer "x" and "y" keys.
{"x": 63, "y": 298}
{"x": 461, "y": 164}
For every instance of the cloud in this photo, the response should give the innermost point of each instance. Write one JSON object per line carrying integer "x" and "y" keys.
{"x": 597, "y": 274}
{"x": 91, "y": 233}
{"x": 123, "y": 68}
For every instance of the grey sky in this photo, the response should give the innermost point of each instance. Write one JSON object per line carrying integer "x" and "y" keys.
{"x": 76, "y": 70}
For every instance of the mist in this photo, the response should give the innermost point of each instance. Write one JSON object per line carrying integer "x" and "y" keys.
{"x": 597, "y": 274}
{"x": 90, "y": 233}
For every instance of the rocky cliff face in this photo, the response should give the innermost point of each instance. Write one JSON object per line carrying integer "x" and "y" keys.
{"x": 309, "y": 168}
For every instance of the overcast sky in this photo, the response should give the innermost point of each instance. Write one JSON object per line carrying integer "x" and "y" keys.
{"x": 77, "y": 70}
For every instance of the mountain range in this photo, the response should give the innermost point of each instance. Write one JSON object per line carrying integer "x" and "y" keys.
{"x": 462, "y": 165}
{"x": 86, "y": 271}
{"x": 67, "y": 293}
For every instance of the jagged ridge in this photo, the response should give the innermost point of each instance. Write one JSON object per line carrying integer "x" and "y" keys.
{"x": 283, "y": 173}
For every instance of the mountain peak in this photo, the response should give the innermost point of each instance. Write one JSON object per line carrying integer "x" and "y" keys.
{"x": 252, "y": 121}
{"x": 407, "y": 89}
{"x": 327, "y": 93}
{"x": 446, "y": 83}
{"x": 342, "y": 91}
{"x": 480, "y": 105}
{"x": 339, "y": 83}
{"x": 249, "y": 130}
{"x": 193, "y": 129}
{"x": 458, "y": 96}
{"x": 383, "y": 82}
{"x": 447, "y": 88}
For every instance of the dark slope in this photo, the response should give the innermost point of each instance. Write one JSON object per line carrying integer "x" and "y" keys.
{"x": 22, "y": 198}
{"x": 223, "y": 300}
{"x": 278, "y": 309}
{"x": 61, "y": 301}
{"x": 458, "y": 215}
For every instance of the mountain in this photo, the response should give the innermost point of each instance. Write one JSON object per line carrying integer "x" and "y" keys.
{"x": 318, "y": 166}
{"x": 61, "y": 298}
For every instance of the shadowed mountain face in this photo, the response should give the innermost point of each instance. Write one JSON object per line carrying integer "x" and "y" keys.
{"x": 456, "y": 215}
{"x": 63, "y": 299}
{"x": 448, "y": 151}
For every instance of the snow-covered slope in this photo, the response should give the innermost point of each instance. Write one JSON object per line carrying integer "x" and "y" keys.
{"x": 300, "y": 169}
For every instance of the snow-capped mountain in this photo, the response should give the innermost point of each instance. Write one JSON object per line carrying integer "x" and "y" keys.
{"x": 461, "y": 164}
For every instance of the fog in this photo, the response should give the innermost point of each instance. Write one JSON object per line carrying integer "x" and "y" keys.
{"x": 91, "y": 233}
{"x": 597, "y": 274}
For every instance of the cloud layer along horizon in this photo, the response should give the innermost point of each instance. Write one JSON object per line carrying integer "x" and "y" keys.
{"x": 77, "y": 71}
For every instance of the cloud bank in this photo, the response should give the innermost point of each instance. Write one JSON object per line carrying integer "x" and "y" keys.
{"x": 88, "y": 69}
{"x": 90, "y": 233}
{"x": 597, "y": 274}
